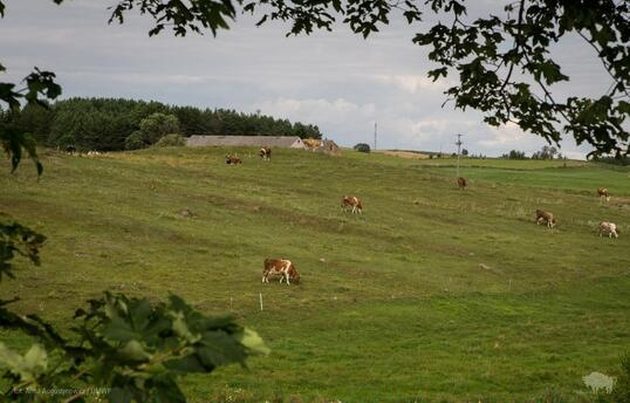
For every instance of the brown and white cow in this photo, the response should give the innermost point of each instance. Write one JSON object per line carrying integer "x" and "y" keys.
{"x": 265, "y": 153}
{"x": 280, "y": 267}
{"x": 353, "y": 203}
{"x": 461, "y": 182}
{"x": 545, "y": 217}
{"x": 608, "y": 228}
{"x": 603, "y": 194}
{"x": 232, "y": 159}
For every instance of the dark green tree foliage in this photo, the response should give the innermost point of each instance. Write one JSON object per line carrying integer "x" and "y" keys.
{"x": 105, "y": 124}
{"x": 35, "y": 119}
{"x": 16, "y": 141}
{"x": 193, "y": 120}
{"x": 515, "y": 155}
{"x": 623, "y": 161}
{"x": 157, "y": 125}
{"x": 94, "y": 124}
{"x": 153, "y": 128}
{"x": 545, "y": 153}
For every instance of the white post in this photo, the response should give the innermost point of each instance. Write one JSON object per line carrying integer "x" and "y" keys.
{"x": 375, "y": 135}
{"x": 459, "y": 145}
{"x": 261, "y": 301}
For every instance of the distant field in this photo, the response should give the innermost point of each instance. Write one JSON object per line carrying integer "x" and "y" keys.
{"x": 432, "y": 294}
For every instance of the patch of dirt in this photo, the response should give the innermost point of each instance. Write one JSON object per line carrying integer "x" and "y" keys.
{"x": 407, "y": 154}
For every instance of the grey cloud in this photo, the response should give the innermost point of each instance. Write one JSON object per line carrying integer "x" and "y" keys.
{"x": 336, "y": 80}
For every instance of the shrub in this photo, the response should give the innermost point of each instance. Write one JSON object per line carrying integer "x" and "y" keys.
{"x": 515, "y": 155}
{"x": 621, "y": 390}
{"x": 362, "y": 147}
{"x": 135, "y": 141}
{"x": 171, "y": 140}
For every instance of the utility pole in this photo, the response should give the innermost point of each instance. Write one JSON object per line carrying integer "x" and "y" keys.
{"x": 459, "y": 147}
{"x": 375, "y": 135}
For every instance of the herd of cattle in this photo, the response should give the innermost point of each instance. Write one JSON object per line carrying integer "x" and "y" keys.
{"x": 604, "y": 228}
{"x": 285, "y": 269}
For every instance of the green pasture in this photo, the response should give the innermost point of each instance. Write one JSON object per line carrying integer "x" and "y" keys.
{"x": 432, "y": 294}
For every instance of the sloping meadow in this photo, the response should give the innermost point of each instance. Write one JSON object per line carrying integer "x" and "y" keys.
{"x": 432, "y": 293}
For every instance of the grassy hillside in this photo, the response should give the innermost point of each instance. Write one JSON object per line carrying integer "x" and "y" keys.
{"x": 433, "y": 293}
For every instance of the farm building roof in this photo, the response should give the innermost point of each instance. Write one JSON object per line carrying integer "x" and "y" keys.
{"x": 236, "y": 141}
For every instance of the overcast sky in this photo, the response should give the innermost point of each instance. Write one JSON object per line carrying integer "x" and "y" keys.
{"x": 337, "y": 81}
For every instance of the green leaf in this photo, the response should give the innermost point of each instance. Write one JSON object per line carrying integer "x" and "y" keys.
{"x": 134, "y": 351}
{"x": 119, "y": 330}
{"x": 254, "y": 342}
{"x": 190, "y": 363}
{"x": 27, "y": 367}
{"x": 120, "y": 395}
{"x": 167, "y": 390}
{"x": 140, "y": 313}
{"x": 9, "y": 357}
{"x": 181, "y": 328}
{"x": 36, "y": 358}
{"x": 219, "y": 348}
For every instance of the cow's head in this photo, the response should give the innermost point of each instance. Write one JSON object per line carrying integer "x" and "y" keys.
{"x": 294, "y": 275}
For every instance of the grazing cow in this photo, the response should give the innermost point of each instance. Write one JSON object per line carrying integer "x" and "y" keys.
{"x": 280, "y": 267}
{"x": 545, "y": 217}
{"x": 461, "y": 182}
{"x": 352, "y": 202}
{"x": 70, "y": 149}
{"x": 603, "y": 194}
{"x": 609, "y": 229}
{"x": 265, "y": 153}
{"x": 232, "y": 159}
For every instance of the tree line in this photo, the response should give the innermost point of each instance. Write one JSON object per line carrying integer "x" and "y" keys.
{"x": 108, "y": 124}
{"x": 545, "y": 153}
